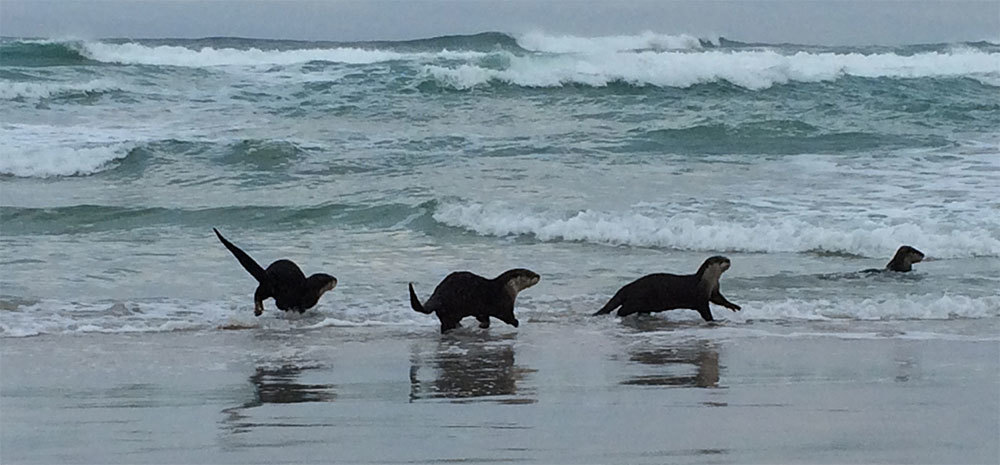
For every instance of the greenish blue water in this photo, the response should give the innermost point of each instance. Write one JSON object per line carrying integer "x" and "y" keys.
{"x": 590, "y": 160}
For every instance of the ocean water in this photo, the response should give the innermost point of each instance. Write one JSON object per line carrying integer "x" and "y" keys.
{"x": 591, "y": 161}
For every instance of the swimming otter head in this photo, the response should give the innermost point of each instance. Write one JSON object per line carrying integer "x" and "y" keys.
{"x": 713, "y": 267}
{"x": 905, "y": 257}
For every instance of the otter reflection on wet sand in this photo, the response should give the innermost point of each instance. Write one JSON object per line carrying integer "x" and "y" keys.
{"x": 276, "y": 385}
{"x": 470, "y": 370}
{"x": 673, "y": 366}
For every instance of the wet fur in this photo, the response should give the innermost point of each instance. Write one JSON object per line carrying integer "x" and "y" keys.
{"x": 901, "y": 262}
{"x": 904, "y": 259}
{"x": 283, "y": 280}
{"x": 663, "y": 291}
{"x": 463, "y": 294}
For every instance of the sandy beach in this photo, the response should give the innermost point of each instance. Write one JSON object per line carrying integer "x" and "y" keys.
{"x": 642, "y": 391}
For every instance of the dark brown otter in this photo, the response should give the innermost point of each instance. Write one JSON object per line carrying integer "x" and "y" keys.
{"x": 904, "y": 259}
{"x": 902, "y": 262}
{"x": 463, "y": 294}
{"x": 662, "y": 291}
{"x": 284, "y": 281}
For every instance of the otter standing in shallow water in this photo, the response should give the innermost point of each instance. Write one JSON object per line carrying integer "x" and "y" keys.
{"x": 283, "y": 280}
{"x": 662, "y": 291}
{"x": 463, "y": 294}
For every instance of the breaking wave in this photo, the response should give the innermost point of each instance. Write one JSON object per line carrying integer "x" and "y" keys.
{"x": 540, "y": 42}
{"x": 55, "y": 161}
{"x": 698, "y": 233}
{"x": 42, "y": 90}
{"x": 752, "y": 69}
{"x": 91, "y": 218}
{"x": 171, "y": 55}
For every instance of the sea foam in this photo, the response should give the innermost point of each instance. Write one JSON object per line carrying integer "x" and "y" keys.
{"x": 887, "y": 307}
{"x": 168, "y": 315}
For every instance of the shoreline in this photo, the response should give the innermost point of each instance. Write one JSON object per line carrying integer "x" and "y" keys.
{"x": 391, "y": 395}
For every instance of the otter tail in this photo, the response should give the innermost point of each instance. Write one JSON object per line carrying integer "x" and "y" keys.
{"x": 415, "y": 302}
{"x": 612, "y": 304}
{"x": 244, "y": 259}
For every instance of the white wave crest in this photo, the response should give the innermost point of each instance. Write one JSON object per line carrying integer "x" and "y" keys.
{"x": 701, "y": 233}
{"x": 540, "y": 42}
{"x": 40, "y": 150}
{"x": 32, "y": 90}
{"x": 44, "y": 162}
{"x": 755, "y": 70}
{"x": 169, "y": 55}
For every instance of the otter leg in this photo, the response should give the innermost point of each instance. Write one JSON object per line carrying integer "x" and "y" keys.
{"x": 706, "y": 314}
{"x": 484, "y": 321}
{"x": 258, "y": 299}
{"x": 612, "y": 304}
{"x": 627, "y": 310}
{"x": 718, "y": 299}
{"x": 448, "y": 325}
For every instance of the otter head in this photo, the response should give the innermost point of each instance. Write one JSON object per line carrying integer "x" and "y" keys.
{"x": 518, "y": 279}
{"x": 321, "y": 283}
{"x": 515, "y": 281}
{"x": 905, "y": 257}
{"x": 713, "y": 268}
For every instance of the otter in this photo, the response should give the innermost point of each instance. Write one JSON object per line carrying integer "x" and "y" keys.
{"x": 662, "y": 291}
{"x": 902, "y": 262}
{"x": 463, "y": 294}
{"x": 284, "y": 281}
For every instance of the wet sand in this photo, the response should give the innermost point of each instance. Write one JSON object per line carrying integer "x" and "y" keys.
{"x": 543, "y": 393}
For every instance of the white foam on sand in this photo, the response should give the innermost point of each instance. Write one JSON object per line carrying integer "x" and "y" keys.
{"x": 166, "y": 315}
